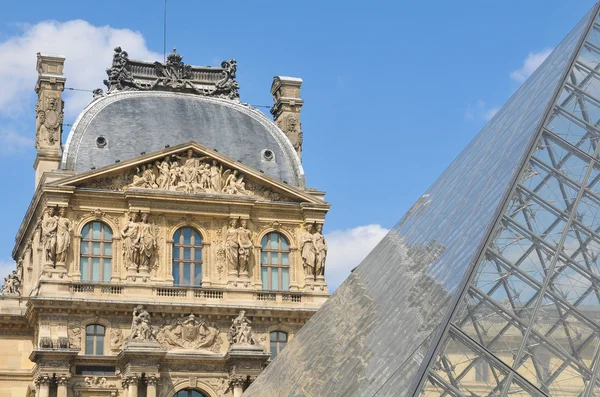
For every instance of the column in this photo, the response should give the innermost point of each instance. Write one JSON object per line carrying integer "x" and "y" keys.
{"x": 63, "y": 381}
{"x": 238, "y": 386}
{"x": 43, "y": 383}
{"x": 131, "y": 382}
{"x": 152, "y": 382}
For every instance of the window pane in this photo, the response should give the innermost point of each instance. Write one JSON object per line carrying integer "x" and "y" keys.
{"x": 198, "y": 274}
{"x": 95, "y": 269}
{"x": 198, "y": 254}
{"x": 186, "y": 274}
{"x": 284, "y": 244}
{"x": 99, "y": 345}
{"x": 187, "y": 236}
{"x": 264, "y": 276}
{"x": 273, "y": 350}
{"x": 85, "y": 231}
{"x": 83, "y": 264}
{"x": 187, "y": 253}
{"x": 176, "y": 252}
{"x": 107, "y": 249}
{"x": 274, "y": 336}
{"x": 263, "y": 258}
{"x": 197, "y": 238}
{"x": 274, "y": 278}
{"x": 177, "y": 236}
{"x": 95, "y": 248}
{"x": 176, "y": 279}
{"x": 89, "y": 329}
{"x": 263, "y": 242}
{"x": 282, "y": 345}
{"x": 89, "y": 344}
{"x": 107, "y": 270}
{"x": 107, "y": 233}
{"x": 99, "y": 329}
{"x": 85, "y": 248}
{"x": 274, "y": 241}
{"x": 285, "y": 259}
{"x": 285, "y": 279}
{"x": 96, "y": 230}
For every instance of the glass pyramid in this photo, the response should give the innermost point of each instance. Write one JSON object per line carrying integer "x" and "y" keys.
{"x": 490, "y": 284}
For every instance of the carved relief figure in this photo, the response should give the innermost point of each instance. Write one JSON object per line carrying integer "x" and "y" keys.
{"x": 49, "y": 122}
{"x": 49, "y": 230}
{"x": 308, "y": 251}
{"x": 12, "y": 285}
{"x": 140, "y": 326}
{"x": 187, "y": 333}
{"x": 116, "y": 338}
{"x": 244, "y": 236}
{"x": 147, "y": 244}
{"x": 321, "y": 250}
{"x": 63, "y": 235}
{"x": 232, "y": 247}
{"x": 74, "y": 334}
{"x": 131, "y": 241}
{"x": 241, "y": 330}
{"x": 216, "y": 171}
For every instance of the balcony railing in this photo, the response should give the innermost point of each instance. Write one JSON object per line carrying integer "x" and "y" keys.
{"x": 93, "y": 287}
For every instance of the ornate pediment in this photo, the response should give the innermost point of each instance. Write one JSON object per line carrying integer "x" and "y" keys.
{"x": 190, "y": 169}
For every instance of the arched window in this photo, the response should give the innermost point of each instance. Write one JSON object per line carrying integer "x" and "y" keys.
{"x": 278, "y": 341}
{"x": 275, "y": 262}
{"x": 187, "y": 257}
{"x": 95, "y": 260}
{"x": 94, "y": 339}
{"x": 189, "y": 393}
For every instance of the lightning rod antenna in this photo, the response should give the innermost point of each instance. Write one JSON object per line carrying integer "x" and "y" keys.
{"x": 165, "y": 35}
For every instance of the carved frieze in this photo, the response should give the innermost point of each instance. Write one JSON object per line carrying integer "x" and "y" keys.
{"x": 187, "y": 333}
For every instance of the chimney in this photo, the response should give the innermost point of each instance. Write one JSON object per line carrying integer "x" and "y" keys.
{"x": 49, "y": 114}
{"x": 286, "y": 108}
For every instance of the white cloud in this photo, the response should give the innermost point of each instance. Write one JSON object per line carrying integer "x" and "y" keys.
{"x": 88, "y": 50}
{"x": 12, "y": 142}
{"x": 480, "y": 111}
{"x": 531, "y": 63}
{"x": 347, "y": 248}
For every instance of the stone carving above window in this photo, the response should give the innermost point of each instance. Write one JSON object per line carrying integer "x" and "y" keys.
{"x": 187, "y": 333}
{"x": 173, "y": 75}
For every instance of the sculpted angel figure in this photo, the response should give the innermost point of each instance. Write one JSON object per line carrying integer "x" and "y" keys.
{"x": 234, "y": 183}
{"x": 308, "y": 251}
{"x": 244, "y": 236}
{"x": 216, "y": 172}
{"x": 147, "y": 244}
{"x": 164, "y": 178}
{"x": 204, "y": 172}
{"x": 63, "y": 235}
{"x": 140, "y": 326}
{"x": 131, "y": 241}
{"x": 49, "y": 229}
{"x": 232, "y": 246}
{"x": 321, "y": 250}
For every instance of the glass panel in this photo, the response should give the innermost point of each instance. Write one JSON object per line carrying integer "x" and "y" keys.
{"x": 107, "y": 269}
{"x": 284, "y": 244}
{"x": 99, "y": 345}
{"x": 197, "y": 238}
{"x": 285, "y": 279}
{"x": 285, "y": 259}
{"x": 85, "y": 248}
{"x": 96, "y": 269}
{"x": 85, "y": 231}
{"x": 107, "y": 233}
{"x": 274, "y": 258}
{"x": 273, "y": 350}
{"x": 264, "y": 276}
{"x": 89, "y": 329}
{"x": 83, "y": 265}
{"x": 274, "y": 241}
{"x": 263, "y": 242}
{"x": 96, "y": 227}
{"x": 574, "y": 131}
{"x": 274, "y": 337}
{"x": 187, "y": 236}
{"x": 274, "y": 278}
{"x": 198, "y": 254}
{"x": 177, "y": 236}
{"x": 198, "y": 274}
{"x": 89, "y": 344}
{"x": 176, "y": 279}
{"x": 176, "y": 251}
{"x": 263, "y": 258}
{"x": 95, "y": 248}
{"x": 187, "y": 253}
{"x": 107, "y": 249}
{"x": 186, "y": 274}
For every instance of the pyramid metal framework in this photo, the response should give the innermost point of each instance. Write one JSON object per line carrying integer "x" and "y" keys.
{"x": 490, "y": 284}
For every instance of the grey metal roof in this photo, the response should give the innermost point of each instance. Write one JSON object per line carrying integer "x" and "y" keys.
{"x": 133, "y": 122}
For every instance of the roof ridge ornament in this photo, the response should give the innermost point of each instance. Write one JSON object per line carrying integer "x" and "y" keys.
{"x": 173, "y": 75}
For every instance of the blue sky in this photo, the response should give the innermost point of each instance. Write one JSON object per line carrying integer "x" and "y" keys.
{"x": 393, "y": 90}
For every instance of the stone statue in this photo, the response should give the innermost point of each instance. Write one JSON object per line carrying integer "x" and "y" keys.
{"x": 116, "y": 338}
{"x": 244, "y": 236}
{"x": 131, "y": 241}
{"x": 308, "y": 251}
{"x": 147, "y": 244}
{"x": 12, "y": 285}
{"x": 49, "y": 231}
{"x": 140, "y": 326}
{"x": 241, "y": 330}
{"x": 321, "y": 250}
{"x": 234, "y": 183}
{"x": 216, "y": 175}
{"x": 63, "y": 235}
{"x": 232, "y": 247}
{"x": 164, "y": 178}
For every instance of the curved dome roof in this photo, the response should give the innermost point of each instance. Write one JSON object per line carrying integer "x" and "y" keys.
{"x": 145, "y": 121}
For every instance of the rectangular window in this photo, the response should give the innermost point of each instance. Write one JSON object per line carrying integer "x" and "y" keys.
{"x": 186, "y": 274}
{"x": 264, "y": 276}
{"x": 107, "y": 264}
{"x": 176, "y": 279}
{"x": 96, "y": 269}
{"x": 285, "y": 278}
{"x": 197, "y": 274}
{"x": 274, "y": 278}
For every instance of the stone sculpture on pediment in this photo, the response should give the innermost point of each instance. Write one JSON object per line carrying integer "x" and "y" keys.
{"x": 187, "y": 333}
{"x": 12, "y": 285}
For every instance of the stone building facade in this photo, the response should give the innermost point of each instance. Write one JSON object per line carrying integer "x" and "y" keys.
{"x": 171, "y": 247}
